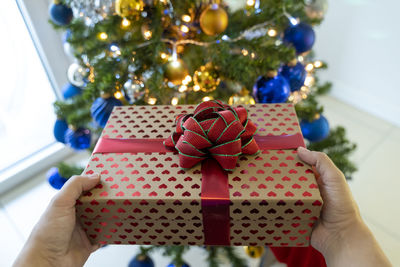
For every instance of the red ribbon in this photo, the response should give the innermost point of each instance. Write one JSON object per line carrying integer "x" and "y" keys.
{"x": 214, "y": 189}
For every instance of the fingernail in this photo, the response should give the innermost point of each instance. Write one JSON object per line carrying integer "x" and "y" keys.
{"x": 302, "y": 148}
{"x": 93, "y": 176}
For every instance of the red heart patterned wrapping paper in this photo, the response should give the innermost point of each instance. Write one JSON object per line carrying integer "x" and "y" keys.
{"x": 145, "y": 198}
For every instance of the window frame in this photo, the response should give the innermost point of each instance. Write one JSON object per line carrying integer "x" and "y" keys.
{"x": 48, "y": 44}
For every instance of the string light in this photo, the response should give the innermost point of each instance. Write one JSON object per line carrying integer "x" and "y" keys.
{"x": 182, "y": 88}
{"x": 174, "y": 101}
{"x": 207, "y": 98}
{"x": 196, "y": 88}
{"x": 118, "y": 95}
{"x": 245, "y": 52}
{"x": 187, "y": 79}
{"x": 225, "y": 38}
{"x": 151, "y": 100}
{"x": 125, "y": 23}
{"x": 309, "y": 80}
{"x": 186, "y": 18}
{"x": 309, "y": 67}
{"x": 318, "y": 64}
{"x": 164, "y": 55}
{"x": 252, "y": 55}
{"x": 147, "y": 34}
{"x": 304, "y": 89}
{"x": 103, "y": 36}
{"x": 272, "y": 32}
{"x": 184, "y": 28}
{"x": 250, "y": 2}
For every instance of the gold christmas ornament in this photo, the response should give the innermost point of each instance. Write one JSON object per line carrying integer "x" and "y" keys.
{"x": 206, "y": 78}
{"x": 254, "y": 252}
{"x": 126, "y": 8}
{"x": 176, "y": 71}
{"x": 243, "y": 98}
{"x": 213, "y": 20}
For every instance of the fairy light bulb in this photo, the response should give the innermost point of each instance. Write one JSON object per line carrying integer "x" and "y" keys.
{"x": 272, "y": 32}
{"x": 293, "y": 20}
{"x": 174, "y": 101}
{"x": 118, "y": 95}
{"x": 184, "y": 28}
{"x": 207, "y": 98}
{"x": 163, "y": 55}
{"x": 309, "y": 80}
{"x": 151, "y": 100}
{"x": 188, "y": 78}
{"x": 182, "y": 88}
{"x": 318, "y": 64}
{"x": 309, "y": 67}
{"x": 196, "y": 88}
{"x": 250, "y": 2}
{"x": 103, "y": 36}
{"x": 186, "y": 18}
{"x": 125, "y": 23}
{"x": 147, "y": 34}
{"x": 245, "y": 52}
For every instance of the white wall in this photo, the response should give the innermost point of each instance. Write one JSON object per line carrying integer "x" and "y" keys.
{"x": 360, "y": 40}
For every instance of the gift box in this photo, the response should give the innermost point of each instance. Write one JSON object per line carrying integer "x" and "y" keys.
{"x": 145, "y": 197}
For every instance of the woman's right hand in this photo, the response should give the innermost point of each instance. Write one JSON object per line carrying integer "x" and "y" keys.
{"x": 340, "y": 234}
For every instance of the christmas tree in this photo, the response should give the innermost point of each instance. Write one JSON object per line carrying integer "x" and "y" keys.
{"x": 169, "y": 52}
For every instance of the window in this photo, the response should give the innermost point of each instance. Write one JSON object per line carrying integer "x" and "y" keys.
{"x": 27, "y": 82}
{"x": 26, "y": 114}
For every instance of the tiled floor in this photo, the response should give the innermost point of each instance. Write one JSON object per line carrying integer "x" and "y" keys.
{"x": 375, "y": 186}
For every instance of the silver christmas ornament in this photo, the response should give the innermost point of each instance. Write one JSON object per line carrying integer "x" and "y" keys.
{"x": 92, "y": 11}
{"x": 134, "y": 90}
{"x": 77, "y": 74}
{"x": 316, "y": 9}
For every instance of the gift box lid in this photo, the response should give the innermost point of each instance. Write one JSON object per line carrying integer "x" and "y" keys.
{"x": 272, "y": 185}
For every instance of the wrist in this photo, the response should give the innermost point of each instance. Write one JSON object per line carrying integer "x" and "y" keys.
{"x": 33, "y": 255}
{"x": 356, "y": 244}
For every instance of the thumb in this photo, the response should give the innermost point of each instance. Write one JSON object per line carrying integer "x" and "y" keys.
{"x": 327, "y": 171}
{"x": 331, "y": 182}
{"x": 73, "y": 188}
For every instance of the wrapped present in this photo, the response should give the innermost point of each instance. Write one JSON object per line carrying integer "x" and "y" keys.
{"x": 205, "y": 175}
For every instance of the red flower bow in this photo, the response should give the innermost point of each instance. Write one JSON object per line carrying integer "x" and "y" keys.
{"x": 214, "y": 130}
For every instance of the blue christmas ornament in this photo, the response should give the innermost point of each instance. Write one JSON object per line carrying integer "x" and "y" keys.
{"x": 60, "y": 14}
{"x": 141, "y": 261}
{"x": 174, "y": 265}
{"x": 102, "y": 108}
{"x": 66, "y": 36}
{"x": 315, "y": 131}
{"x": 79, "y": 139}
{"x": 301, "y": 36}
{"x": 60, "y": 127}
{"x": 271, "y": 90}
{"x": 69, "y": 90}
{"x": 55, "y": 179}
{"x": 296, "y": 75}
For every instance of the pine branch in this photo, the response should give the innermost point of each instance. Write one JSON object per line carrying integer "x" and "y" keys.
{"x": 338, "y": 148}
{"x": 235, "y": 259}
{"x": 67, "y": 171}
